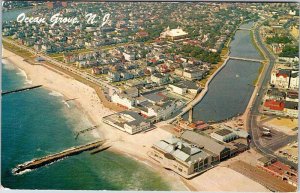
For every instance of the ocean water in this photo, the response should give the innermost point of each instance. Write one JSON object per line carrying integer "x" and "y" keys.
{"x": 37, "y": 123}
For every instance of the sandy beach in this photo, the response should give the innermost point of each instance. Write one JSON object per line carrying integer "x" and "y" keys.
{"x": 136, "y": 146}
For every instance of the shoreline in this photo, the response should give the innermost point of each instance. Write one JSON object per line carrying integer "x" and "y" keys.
{"x": 122, "y": 143}
{"x": 135, "y": 146}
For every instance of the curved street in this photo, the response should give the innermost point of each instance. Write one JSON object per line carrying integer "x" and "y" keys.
{"x": 251, "y": 122}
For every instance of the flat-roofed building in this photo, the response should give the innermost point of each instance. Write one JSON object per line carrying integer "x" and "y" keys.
{"x": 185, "y": 87}
{"x": 181, "y": 157}
{"x": 219, "y": 151}
{"x": 224, "y": 135}
{"x": 128, "y": 121}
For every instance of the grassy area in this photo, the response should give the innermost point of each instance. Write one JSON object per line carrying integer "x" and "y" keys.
{"x": 55, "y": 55}
{"x": 61, "y": 59}
{"x": 23, "y": 53}
{"x": 255, "y": 45}
{"x": 259, "y": 72}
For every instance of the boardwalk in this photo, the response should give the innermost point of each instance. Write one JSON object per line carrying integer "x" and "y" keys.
{"x": 271, "y": 182}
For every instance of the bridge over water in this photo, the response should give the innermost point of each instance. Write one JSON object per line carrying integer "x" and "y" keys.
{"x": 241, "y": 28}
{"x": 245, "y": 59}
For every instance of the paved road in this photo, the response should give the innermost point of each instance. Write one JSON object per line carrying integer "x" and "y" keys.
{"x": 251, "y": 120}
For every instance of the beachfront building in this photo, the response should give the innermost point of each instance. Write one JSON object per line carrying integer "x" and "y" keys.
{"x": 219, "y": 152}
{"x": 124, "y": 100}
{"x": 224, "y": 135}
{"x": 181, "y": 157}
{"x": 127, "y": 121}
{"x": 173, "y": 34}
{"x": 158, "y": 105}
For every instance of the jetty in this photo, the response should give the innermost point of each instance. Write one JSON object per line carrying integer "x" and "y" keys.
{"x": 71, "y": 99}
{"x": 39, "y": 162}
{"x": 20, "y": 90}
{"x": 85, "y": 130}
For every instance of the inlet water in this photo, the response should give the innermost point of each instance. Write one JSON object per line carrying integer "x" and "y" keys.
{"x": 231, "y": 89}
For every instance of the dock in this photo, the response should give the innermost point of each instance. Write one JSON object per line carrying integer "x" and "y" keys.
{"x": 20, "y": 90}
{"x": 39, "y": 162}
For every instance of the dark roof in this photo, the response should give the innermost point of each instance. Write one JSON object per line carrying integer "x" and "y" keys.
{"x": 291, "y": 105}
{"x": 203, "y": 141}
{"x": 223, "y": 132}
{"x": 276, "y": 92}
{"x": 292, "y": 95}
{"x": 187, "y": 84}
{"x": 294, "y": 74}
{"x": 154, "y": 97}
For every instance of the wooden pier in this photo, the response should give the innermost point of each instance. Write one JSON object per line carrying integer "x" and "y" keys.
{"x": 20, "y": 90}
{"x": 39, "y": 162}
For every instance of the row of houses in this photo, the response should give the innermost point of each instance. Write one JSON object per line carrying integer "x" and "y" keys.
{"x": 155, "y": 104}
{"x": 281, "y": 102}
{"x": 285, "y": 79}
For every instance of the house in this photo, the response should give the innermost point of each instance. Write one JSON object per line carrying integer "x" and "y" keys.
{"x": 294, "y": 80}
{"x": 159, "y": 78}
{"x": 291, "y": 109}
{"x": 129, "y": 56}
{"x": 274, "y": 105}
{"x": 275, "y": 94}
{"x": 292, "y": 96}
{"x": 114, "y": 76}
{"x": 181, "y": 157}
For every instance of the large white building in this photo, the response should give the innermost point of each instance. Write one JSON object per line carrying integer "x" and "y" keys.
{"x": 181, "y": 157}
{"x": 184, "y": 88}
{"x": 280, "y": 78}
{"x": 173, "y": 34}
{"x": 294, "y": 80}
{"x": 123, "y": 99}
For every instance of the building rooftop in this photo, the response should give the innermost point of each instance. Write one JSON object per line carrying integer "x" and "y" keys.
{"x": 180, "y": 150}
{"x": 203, "y": 141}
{"x": 223, "y": 132}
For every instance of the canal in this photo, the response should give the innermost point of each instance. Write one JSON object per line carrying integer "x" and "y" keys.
{"x": 231, "y": 89}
